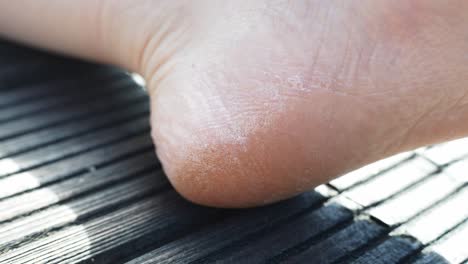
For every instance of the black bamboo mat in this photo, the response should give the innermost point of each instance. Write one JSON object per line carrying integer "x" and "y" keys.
{"x": 79, "y": 183}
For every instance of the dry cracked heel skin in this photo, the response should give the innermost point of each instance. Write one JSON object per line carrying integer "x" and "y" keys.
{"x": 290, "y": 100}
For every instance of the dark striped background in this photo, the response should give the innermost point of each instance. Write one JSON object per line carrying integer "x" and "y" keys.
{"x": 79, "y": 183}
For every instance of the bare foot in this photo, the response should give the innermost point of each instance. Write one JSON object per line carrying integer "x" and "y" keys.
{"x": 257, "y": 101}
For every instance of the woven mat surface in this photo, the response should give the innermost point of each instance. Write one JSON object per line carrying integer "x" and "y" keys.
{"x": 79, "y": 183}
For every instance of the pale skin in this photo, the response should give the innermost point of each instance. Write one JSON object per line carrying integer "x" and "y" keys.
{"x": 256, "y": 101}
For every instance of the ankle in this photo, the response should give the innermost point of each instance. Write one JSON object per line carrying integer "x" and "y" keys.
{"x": 141, "y": 36}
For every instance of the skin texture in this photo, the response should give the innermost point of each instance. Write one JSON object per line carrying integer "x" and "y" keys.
{"x": 256, "y": 101}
